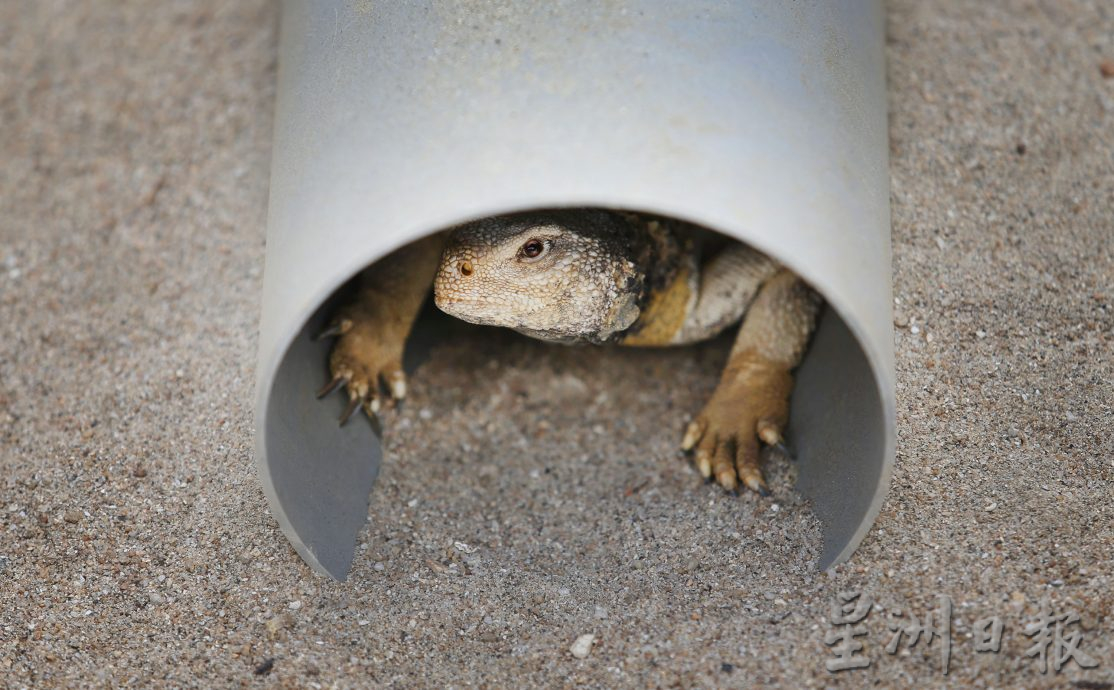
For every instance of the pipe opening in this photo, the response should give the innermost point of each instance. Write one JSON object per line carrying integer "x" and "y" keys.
{"x": 322, "y": 473}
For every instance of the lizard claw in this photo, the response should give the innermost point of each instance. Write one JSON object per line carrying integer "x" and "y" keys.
{"x": 768, "y": 432}
{"x": 397, "y": 384}
{"x": 336, "y": 328}
{"x": 348, "y": 411}
{"x": 331, "y": 386}
{"x": 361, "y": 395}
{"x": 692, "y": 434}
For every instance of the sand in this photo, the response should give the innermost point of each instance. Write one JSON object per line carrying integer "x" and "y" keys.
{"x": 533, "y": 496}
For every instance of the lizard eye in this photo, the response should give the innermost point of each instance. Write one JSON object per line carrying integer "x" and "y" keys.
{"x": 533, "y": 248}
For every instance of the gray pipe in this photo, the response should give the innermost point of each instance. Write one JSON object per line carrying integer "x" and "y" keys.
{"x": 763, "y": 120}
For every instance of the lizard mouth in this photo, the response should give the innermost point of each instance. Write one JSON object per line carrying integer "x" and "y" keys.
{"x": 460, "y": 307}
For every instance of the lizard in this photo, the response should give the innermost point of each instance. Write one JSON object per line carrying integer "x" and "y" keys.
{"x": 602, "y": 277}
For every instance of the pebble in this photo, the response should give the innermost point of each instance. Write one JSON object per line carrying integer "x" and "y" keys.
{"x": 583, "y": 646}
{"x": 72, "y": 516}
{"x": 295, "y": 605}
{"x": 277, "y": 623}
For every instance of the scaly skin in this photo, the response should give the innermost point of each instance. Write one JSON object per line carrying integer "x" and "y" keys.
{"x": 599, "y": 277}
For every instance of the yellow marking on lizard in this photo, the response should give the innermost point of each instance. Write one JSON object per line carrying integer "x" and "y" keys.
{"x": 664, "y": 315}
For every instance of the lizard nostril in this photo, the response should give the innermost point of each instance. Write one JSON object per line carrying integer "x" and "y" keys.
{"x": 465, "y": 268}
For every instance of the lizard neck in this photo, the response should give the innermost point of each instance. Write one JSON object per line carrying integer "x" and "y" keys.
{"x": 671, "y": 279}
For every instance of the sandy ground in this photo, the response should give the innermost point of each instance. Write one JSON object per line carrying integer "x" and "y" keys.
{"x": 135, "y": 543}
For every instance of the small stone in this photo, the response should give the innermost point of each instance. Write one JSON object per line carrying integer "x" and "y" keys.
{"x": 277, "y": 623}
{"x": 1106, "y": 69}
{"x": 139, "y": 471}
{"x": 425, "y": 413}
{"x": 295, "y": 605}
{"x": 156, "y": 598}
{"x": 72, "y": 516}
{"x": 569, "y": 386}
{"x": 980, "y": 334}
{"x": 583, "y": 646}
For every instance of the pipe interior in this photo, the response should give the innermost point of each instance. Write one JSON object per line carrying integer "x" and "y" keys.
{"x": 322, "y": 474}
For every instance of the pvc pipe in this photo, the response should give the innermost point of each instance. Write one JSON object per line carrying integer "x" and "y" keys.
{"x": 765, "y": 121}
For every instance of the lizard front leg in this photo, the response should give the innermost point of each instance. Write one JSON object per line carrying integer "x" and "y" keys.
{"x": 372, "y": 327}
{"x": 751, "y": 402}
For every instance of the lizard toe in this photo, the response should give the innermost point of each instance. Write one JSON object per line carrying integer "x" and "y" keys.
{"x": 693, "y": 433}
{"x": 723, "y": 464}
{"x": 705, "y": 451}
{"x": 747, "y": 465}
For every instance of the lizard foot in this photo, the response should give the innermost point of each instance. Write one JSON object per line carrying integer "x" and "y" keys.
{"x": 372, "y": 327}
{"x": 750, "y": 404}
{"x": 367, "y": 352}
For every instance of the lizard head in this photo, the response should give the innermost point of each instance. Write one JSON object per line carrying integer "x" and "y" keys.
{"x": 556, "y": 275}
